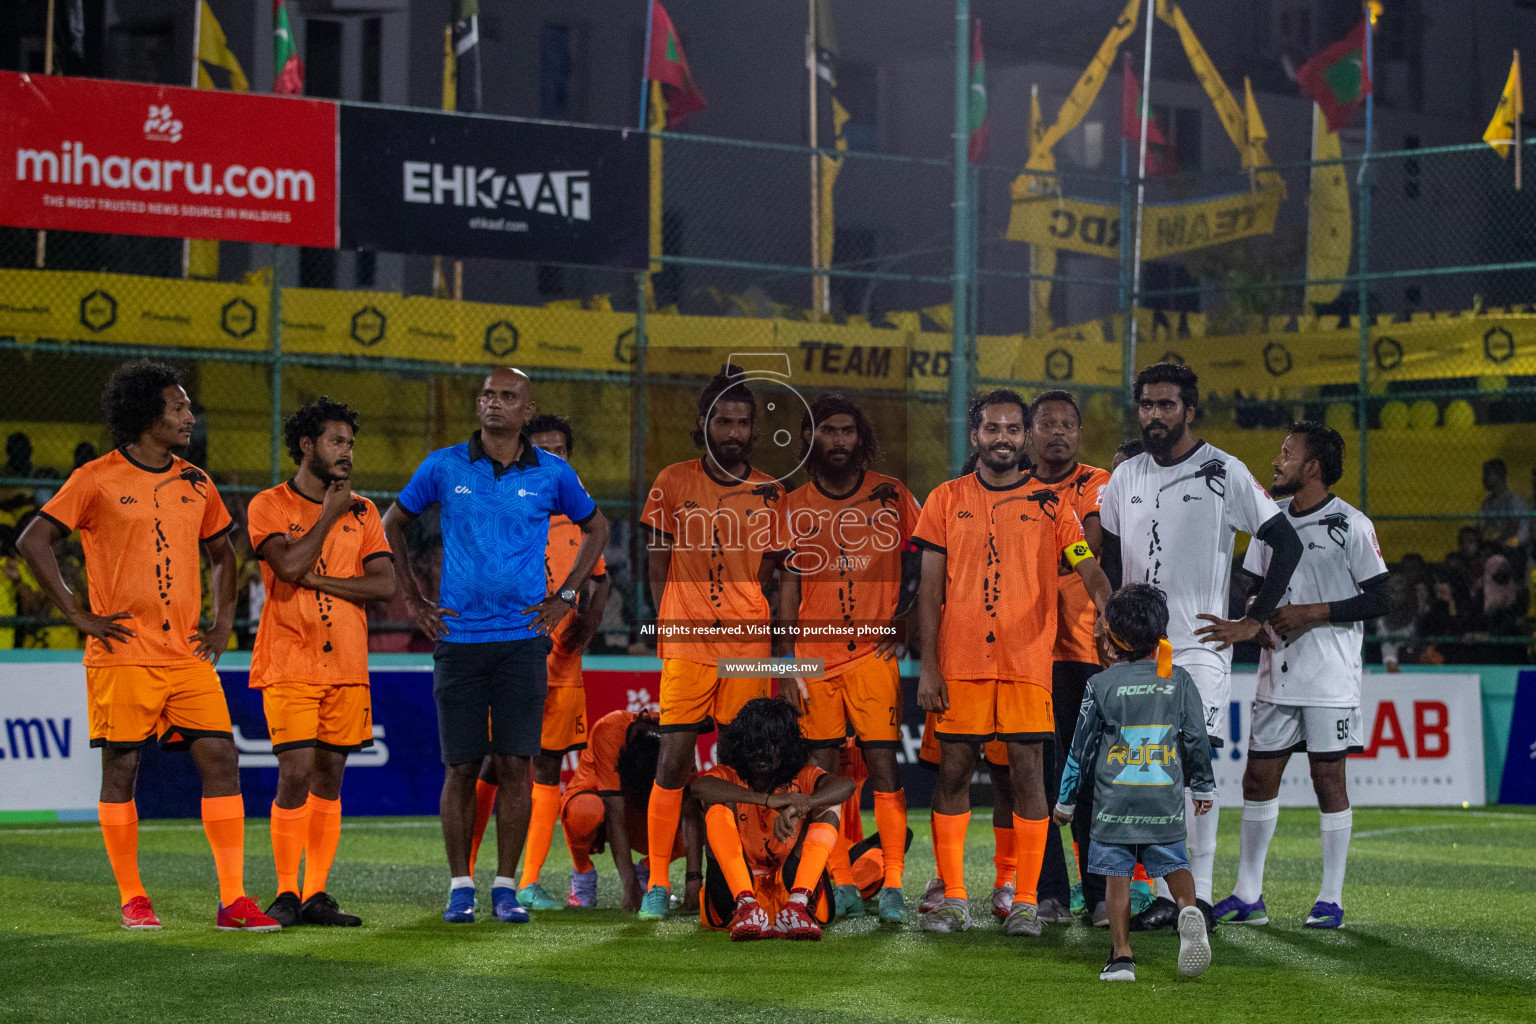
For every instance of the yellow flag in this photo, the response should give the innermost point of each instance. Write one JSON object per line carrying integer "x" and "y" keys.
{"x": 202, "y": 255}
{"x": 213, "y": 48}
{"x": 830, "y": 166}
{"x": 1502, "y": 129}
{"x": 1081, "y": 98}
{"x": 1257, "y": 134}
{"x": 656, "y": 122}
{"x": 1329, "y": 228}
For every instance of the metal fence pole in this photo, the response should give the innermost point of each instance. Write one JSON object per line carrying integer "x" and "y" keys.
{"x": 1362, "y": 390}
{"x": 960, "y": 359}
{"x": 637, "y": 433}
{"x": 275, "y": 332}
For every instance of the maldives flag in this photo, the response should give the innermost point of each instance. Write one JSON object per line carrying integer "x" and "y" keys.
{"x": 1132, "y": 113}
{"x": 980, "y": 123}
{"x": 285, "y": 56}
{"x": 668, "y": 65}
{"x": 1336, "y": 78}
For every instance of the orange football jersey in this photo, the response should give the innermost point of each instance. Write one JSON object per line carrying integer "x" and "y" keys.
{"x": 847, "y": 553}
{"x": 559, "y": 556}
{"x": 140, "y": 528}
{"x": 719, "y": 531}
{"x": 754, "y": 822}
{"x": 306, "y": 636}
{"x": 1075, "y": 613}
{"x": 1000, "y": 593}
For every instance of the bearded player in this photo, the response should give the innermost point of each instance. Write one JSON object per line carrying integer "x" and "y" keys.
{"x": 849, "y": 526}
{"x": 323, "y": 557}
{"x": 1170, "y": 517}
{"x": 716, "y": 539}
{"x": 144, "y": 513}
{"x": 1308, "y": 697}
{"x": 992, "y": 541}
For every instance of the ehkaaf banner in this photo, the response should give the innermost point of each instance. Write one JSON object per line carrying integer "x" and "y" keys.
{"x": 80, "y": 154}
{"x": 451, "y": 185}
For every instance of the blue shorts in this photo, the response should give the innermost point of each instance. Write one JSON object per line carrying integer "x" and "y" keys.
{"x": 1115, "y": 860}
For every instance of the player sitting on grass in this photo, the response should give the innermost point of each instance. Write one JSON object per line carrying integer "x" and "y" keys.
{"x": 771, "y": 818}
{"x": 1140, "y": 721}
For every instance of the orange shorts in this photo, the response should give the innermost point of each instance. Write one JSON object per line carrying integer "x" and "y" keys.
{"x": 1008, "y": 710}
{"x": 692, "y": 695}
{"x": 565, "y": 721}
{"x": 338, "y": 718}
{"x": 564, "y": 667}
{"x": 865, "y": 694}
{"x": 132, "y": 704}
{"x": 994, "y": 752}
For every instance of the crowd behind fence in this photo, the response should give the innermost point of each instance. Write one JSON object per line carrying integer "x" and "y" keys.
{"x": 1440, "y": 373}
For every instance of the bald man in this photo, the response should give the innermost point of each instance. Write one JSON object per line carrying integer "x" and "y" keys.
{"x": 493, "y": 617}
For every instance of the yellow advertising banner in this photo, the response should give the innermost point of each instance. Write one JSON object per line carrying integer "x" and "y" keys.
{"x": 121, "y": 309}
{"x": 1168, "y": 229}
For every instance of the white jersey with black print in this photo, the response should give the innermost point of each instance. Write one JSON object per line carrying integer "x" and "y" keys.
{"x": 1178, "y": 527}
{"x": 1323, "y": 666}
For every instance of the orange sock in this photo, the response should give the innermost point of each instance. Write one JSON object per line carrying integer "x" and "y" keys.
{"x": 541, "y": 831}
{"x": 949, "y": 851}
{"x": 820, "y": 839}
{"x": 891, "y": 823}
{"x": 661, "y": 818}
{"x": 1030, "y": 835}
{"x": 320, "y": 846}
{"x": 485, "y": 806}
{"x": 1005, "y": 857}
{"x": 838, "y": 863}
{"x": 290, "y": 827}
{"x": 725, "y": 844}
{"x": 1140, "y": 874}
{"x": 224, "y": 825}
{"x": 120, "y": 832}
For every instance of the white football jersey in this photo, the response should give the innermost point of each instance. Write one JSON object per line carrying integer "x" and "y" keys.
{"x": 1178, "y": 527}
{"x": 1322, "y": 667}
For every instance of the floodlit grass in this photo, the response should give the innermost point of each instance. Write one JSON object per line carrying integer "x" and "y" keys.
{"x": 1440, "y": 907}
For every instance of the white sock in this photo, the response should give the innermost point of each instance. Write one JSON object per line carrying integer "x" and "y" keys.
{"x": 1335, "y": 834}
{"x": 461, "y": 882}
{"x": 1259, "y": 820}
{"x": 1202, "y": 844}
{"x": 503, "y": 882}
{"x": 1160, "y": 889}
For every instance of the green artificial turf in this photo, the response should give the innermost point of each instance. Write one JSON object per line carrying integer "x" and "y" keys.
{"x": 1441, "y": 925}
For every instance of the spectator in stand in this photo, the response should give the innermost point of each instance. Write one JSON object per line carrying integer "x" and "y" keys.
{"x": 1505, "y": 517}
{"x": 1447, "y": 611}
{"x": 84, "y": 452}
{"x": 1499, "y": 591}
{"x": 1396, "y": 628}
{"x": 17, "y": 503}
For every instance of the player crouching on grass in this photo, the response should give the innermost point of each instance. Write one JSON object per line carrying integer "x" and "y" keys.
{"x": 1140, "y": 721}
{"x": 771, "y": 817}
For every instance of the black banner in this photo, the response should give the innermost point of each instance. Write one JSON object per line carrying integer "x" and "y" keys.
{"x": 449, "y": 185}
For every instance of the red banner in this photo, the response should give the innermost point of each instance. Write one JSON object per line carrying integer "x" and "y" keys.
{"x": 82, "y": 154}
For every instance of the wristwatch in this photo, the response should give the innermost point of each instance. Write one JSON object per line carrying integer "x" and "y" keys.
{"x": 568, "y": 595}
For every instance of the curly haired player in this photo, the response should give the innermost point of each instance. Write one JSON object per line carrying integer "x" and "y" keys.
{"x": 771, "y": 819}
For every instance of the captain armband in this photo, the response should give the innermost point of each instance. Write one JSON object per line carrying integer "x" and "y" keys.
{"x": 1076, "y": 552}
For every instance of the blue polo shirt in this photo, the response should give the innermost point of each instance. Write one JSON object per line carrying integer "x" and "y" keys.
{"x": 495, "y": 523}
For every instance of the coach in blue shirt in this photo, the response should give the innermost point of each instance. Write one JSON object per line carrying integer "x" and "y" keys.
{"x": 496, "y": 495}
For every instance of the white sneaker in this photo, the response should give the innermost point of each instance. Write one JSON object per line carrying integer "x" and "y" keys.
{"x": 933, "y": 897}
{"x": 1194, "y": 946}
{"x": 953, "y": 915}
{"x": 1002, "y": 902}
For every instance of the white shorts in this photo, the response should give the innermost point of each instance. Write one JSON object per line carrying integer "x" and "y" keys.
{"x": 1215, "y": 685}
{"x": 1279, "y": 730}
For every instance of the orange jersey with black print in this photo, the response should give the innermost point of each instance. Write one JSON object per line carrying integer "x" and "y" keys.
{"x": 719, "y": 531}
{"x": 306, "y": 636}
{"x": 847, "y": 552}
{"x": 1000, "y": 591}
{"x": 1075, "y": 613}
{"x": 764, "y": 852}
{"x": 559, "y": 557}
{"x": 597, "y": 767}
{"x": 140, "y": 528}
